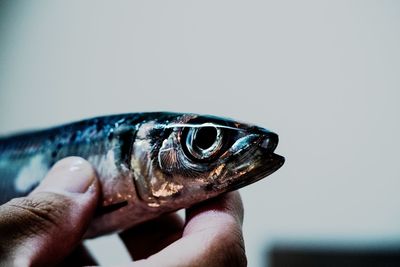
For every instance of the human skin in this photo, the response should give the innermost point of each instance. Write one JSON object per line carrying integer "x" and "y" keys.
{"x": 47, "y": 227}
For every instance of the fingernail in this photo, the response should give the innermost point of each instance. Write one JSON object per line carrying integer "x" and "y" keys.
{"x": 71, "y": 175}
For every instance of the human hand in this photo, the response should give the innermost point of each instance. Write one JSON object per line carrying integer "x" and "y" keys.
{"x": 46, "y": 228}
{"x": 211, "y": 236}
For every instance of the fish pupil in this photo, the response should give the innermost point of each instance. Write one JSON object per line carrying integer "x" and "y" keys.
{"x": 205, "y": 137}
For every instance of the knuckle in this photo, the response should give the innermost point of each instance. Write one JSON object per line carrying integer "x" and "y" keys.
{"x": 38, "y": 213}
{"x": 234, "y": 249}
{"x": 228, "y": 246}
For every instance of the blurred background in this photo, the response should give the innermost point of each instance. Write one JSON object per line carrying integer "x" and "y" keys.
{"x": 325, "y": 75}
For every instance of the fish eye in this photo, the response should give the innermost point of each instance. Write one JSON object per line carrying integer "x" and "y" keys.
{"x": 203, "y": 142}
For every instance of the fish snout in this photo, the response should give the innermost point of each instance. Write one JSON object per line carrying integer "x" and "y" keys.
{"x": 268, "y": 140}
{"x": 268, "y": 143}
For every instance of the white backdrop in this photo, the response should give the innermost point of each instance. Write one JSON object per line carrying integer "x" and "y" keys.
{"x": 325, "y": 75}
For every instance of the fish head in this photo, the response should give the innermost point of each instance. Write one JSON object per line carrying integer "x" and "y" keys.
{"x": 182, "y": 160}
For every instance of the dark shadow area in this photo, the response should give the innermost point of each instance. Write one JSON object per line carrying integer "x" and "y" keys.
{"x": 282, "y": 256}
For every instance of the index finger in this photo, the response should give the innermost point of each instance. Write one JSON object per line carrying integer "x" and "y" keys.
{"x": 212, "y": 236}
{"x": 229, "y": 205}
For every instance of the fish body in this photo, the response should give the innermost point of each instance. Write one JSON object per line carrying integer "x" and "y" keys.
{"x": 147, "y": 163}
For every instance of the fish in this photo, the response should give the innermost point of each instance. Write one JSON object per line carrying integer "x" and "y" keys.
{"x": 148, "y": 164}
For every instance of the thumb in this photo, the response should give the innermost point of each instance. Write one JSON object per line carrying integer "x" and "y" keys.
{"x": 44, "y": 227}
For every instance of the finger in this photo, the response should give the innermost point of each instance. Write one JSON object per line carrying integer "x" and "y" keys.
{"x": 229, "y": 204}
{"x": 148, "y": 238}
{"x": 212, "y": 237}
{"x": 42, "y": 228}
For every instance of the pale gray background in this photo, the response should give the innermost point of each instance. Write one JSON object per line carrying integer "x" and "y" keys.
{"x": 325, "y": 75}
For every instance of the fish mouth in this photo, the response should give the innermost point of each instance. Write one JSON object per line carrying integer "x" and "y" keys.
{"x": 268, "y": 166}
{"x": 265, "y": 161}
